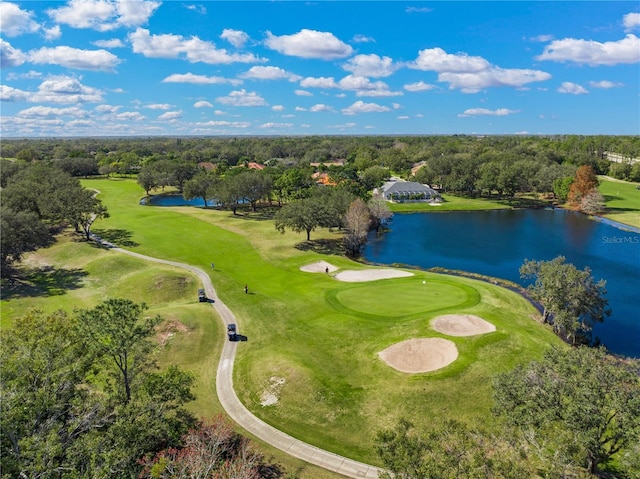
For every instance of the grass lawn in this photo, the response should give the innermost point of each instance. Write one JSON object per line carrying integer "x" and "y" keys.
{"x": 622, "y": 199}
{"x": 452, "y": 203}
{"x": 318, "y": 335}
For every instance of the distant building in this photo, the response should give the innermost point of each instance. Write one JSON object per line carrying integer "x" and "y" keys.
{"x": 408, "y": 191}
{"x": 252, "y": 165}
{"x": 323, "y": 179}
{"x": 207, "y": 165}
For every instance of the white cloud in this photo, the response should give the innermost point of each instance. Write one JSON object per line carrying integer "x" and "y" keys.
{"x": 362, "y": 107}
{"x": 541, "y": 38}
{"x": 107, "y": 108}
{"x": 237, "y": 38}
{"x": 436, "y": 59}
{"x": 65, "y": 89}
{"x": 631, "y": 20}
{"x": 590, "y": 52}
{"x": 242, "y": 98}
{"x": 199, "y": 79}
{"x": 604, "y": 84}
{"x": 486, "y": 112}
{"x": 171, "y": 115}
{"x": 472, "y": 74}
{"x": 363, "y": 39}
{"x": 104, "y": 15}
{"x": 370, "y": 66}
{"x": 318, "y": 82}
{"x": 159, "y": 106}
{"x": 113, "y": 43}
{"x": 419, "y": 86}
{"x": 202, "y": 104}
{"x": 493, "y": 77}
{"x": 276, "y": 125}
{"x": 198, "y": 8}
{"x": 52, "y": 33}
{"x": 572, "y": 88}
{"x": 320, "y": 107}
{"x": 14, "y": 21}
{"x": 277, "y": 107}
{"x": 418, "y": 10}
{"x": 309, "y": 44}
{"x": 232, "y": 124}
{"x": 49, "y": 112}
{"x": 269, "y": 73}
{"x": 130, "y": 116}
{"x": 361, "y": 85}
{"x": 10, "y": 94}
{"x": 96, "y": 60}
{"x": 9, "y": 56}
{"x": 193, "y": 49}
{"x": 303, "y": 93}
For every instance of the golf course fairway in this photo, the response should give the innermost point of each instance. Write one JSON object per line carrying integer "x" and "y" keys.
{"x": 310, "y": 365}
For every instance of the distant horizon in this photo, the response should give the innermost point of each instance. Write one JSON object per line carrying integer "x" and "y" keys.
{"x": 152, "y": 68}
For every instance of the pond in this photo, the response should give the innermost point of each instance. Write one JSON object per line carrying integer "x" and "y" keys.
{"x": 175, "y": 200}
{"x": 496, "y": 243}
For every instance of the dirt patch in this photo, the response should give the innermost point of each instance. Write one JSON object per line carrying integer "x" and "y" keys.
{"x": 167, "y": 330}
{"x": 462, "y": 325}
{"x": 271, "y": 393}
{"x": 356, "y": 276}
{"x": 319, "y": 267}
{"x": 420, "y": 355}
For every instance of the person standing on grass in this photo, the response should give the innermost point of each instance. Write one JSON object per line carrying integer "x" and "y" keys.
{"x": 246, "y": 289}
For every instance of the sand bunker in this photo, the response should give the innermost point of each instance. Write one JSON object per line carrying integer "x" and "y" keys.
{"x": 319, "y": 267}
{"x": 462, "y": 325}
{"x": 355, "y": 276}
{"x": 420, "y": 355}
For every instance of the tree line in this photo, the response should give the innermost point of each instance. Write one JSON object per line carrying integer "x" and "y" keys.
{"x": 575, "y": 413}
{"x": 38, "y": 201}
{"x": 82, "y": 397}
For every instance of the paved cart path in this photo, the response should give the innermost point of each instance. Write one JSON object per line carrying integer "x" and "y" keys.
{"x": 240, "y": 414}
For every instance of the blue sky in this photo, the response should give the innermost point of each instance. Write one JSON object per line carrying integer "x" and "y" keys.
{"x": 147, "y": 68}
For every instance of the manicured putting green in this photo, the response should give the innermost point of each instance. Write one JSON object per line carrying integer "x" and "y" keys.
{"x": 402, "y": 298}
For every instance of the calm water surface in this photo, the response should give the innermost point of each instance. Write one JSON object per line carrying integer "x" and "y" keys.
{"x": 496, "y": 243}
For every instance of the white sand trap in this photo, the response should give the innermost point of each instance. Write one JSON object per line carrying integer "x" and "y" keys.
{"x": 319, "y": 267}
{"x": 462, "y": 325}
{"x": 420, "y": 355}
{"x": 355, "y": 276}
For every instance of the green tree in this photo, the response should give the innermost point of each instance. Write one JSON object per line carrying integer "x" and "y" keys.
{"x": 117, "y": 330}
{"x": 254, "y": 186}
{"x": 570, "y": 297}
{"x": 301, "y": 215}
{"x": 22, "y": 231}
{"x": 202, "y": 185}
{"x": 575, "y": 405}
{"x": 45, "y": 409}
{"x": 561, "y": 187}
{"x": 147, "y": 178}
{"x": 448, "y": 450}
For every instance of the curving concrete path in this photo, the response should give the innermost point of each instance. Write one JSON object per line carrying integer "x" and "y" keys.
{"x": 240, "y": 414}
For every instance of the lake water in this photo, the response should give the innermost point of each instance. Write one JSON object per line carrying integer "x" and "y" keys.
{"x": 175, "y": 200}
{"x": 496, "y": 243}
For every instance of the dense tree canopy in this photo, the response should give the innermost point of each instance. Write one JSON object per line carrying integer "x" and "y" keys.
{"x": 64, "y": 412}
{"x": 575, "y": 406}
